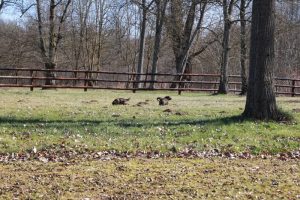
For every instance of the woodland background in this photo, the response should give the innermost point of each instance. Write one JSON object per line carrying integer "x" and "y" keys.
{"x": 138, "y": 35}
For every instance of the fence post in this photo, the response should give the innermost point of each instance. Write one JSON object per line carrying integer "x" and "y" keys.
{"x": 181, "y": 84}
{"x": 293, "y": 88}
{"x": 31, "y": 80}
{"x": 179, "y": 91}
{"x": 17, "y": 76}
{"x": 276, "y": 88}
{"x": 85, "y": 80}
{"x": 134, "y": 85}
{"x": 75, "y": 81}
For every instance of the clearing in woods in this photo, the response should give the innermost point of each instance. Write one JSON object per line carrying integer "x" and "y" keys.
{"x": 71, "y": 144}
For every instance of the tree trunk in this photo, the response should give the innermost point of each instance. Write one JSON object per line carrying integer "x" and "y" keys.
{"x": 54, "y": 36}
{"x": 1, "y": 4}
{"x": 50, "y": 74}
{"x": 227, "y": 11}
{"x": 180, "y": 63}
{"x": 188, "y": 70}
{"x": 223, "y": 86}
{"x": 142, "y": 46}
{"x": 261, "y": 101}
{"x": 243, "y": 48}
{"x": 182, "y": 42}
{"x": 50, "y": 64}
{"x": 160, "y": 17}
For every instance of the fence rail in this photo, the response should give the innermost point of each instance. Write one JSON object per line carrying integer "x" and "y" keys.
{"x": 89, "y": 79}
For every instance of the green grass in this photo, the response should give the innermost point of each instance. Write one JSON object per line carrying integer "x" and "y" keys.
{"x": 87, "y": 120}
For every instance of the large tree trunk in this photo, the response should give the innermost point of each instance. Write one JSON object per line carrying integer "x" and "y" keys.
{"x": 243, "y": 48}
{"x": 261, "y": 101}
{"x": 188, "y": 70}
{"x": 54, "y": 36}
{"x": 182, "y": 40}
{"x": 50, "y": 65}
{"x": 50, "y": 74}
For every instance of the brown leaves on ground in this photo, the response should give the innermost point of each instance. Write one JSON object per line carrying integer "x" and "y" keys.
{"x": 61, "y": 153}
{"x": 162, "y": 178}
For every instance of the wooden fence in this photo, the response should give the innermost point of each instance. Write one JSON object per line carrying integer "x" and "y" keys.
{"x": 86, "y": 79}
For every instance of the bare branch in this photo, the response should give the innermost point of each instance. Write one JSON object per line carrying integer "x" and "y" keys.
{"x": 62, "y": 19}
{"x": 204, "y": 48}
{"x": 40, "y": 29}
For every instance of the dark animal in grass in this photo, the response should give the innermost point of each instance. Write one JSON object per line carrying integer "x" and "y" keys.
{"x": 163, "y": 100}
{"x": 120, "y": 101}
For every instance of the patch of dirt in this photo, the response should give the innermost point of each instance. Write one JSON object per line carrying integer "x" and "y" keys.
{"x": 91, "y": 101}
{"x": 296, "y": 110}
{"x": 174, "y": 112}
{"x": 180, "y": 113}
{"x": 142, "y": 103}
{"x": 21, "y": 101}
{"x": 116, "y": 115}
{"x": 292, "y": 101}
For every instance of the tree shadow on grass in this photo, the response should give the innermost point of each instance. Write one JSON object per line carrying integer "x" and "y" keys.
{"x": 15, "y": 122}
{"x": 124, "y": 123}
{"x": 215, "y": 121}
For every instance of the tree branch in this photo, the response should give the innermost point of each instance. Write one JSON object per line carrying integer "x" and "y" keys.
{"x": 61, "y": 21}
{"x": 40, "y": 29}
{"x": 204, "y": 48}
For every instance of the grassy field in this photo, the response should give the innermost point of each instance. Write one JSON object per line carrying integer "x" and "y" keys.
{"x": 197, "y": 121}
{"x": 32, "y": 123}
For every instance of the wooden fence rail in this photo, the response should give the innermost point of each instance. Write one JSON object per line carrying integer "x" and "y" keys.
{"x": 89, "y": 79}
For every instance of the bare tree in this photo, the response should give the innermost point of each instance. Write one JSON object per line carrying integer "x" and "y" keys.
{"x": 261, "y": 101}
{"x": 79, "y": 27}
{"x": 182, "y": 39}
{"x": 287, "y": 38}
{"x": 101, "y": 9}
{"x": 16, "y": 3}
{"x": 54, "y": 34}
{"x": 160, "y": 19}
{"x": 144, "y": 5}
{"x": 2, "y": 3}
{"x": 103, "y": 34}
{"x": 243, "y": 45}
{"x": 227, "y": 17}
